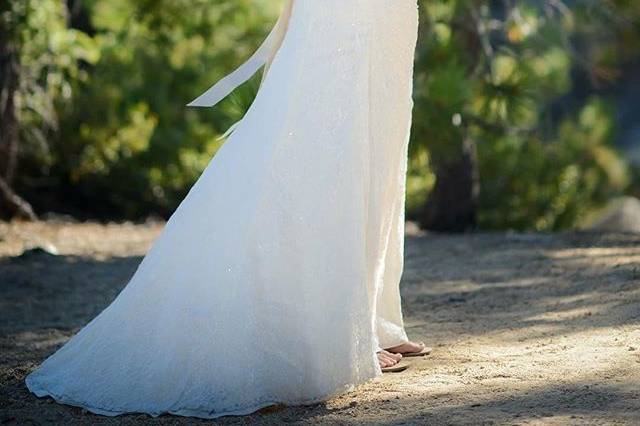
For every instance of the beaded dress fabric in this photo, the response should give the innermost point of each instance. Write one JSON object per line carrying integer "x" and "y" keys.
{"x": 276, "y": 279}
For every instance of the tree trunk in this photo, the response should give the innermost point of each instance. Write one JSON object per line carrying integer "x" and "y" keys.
{"x": 10, "y": 202}
{"x": 452, "y": 206}
{"x": 453, "y": 203}
{"x": 9, "y": 74}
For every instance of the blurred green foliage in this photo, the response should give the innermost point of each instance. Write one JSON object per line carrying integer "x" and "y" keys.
{"x": 105, "y": 130}
{"x": 125, "y": 144}
{"x": 51, "y": 57}
{"x": 499, "y": 72}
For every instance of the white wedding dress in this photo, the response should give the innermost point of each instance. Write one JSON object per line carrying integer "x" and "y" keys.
{"x": 276, "y": 279}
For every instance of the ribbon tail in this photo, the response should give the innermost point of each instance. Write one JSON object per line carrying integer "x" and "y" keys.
{"x": 263, "y": 56}
{"x": 228, "y": 84}
{"x": 283, "y": 26}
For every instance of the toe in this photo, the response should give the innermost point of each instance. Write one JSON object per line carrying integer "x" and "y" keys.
{"x": 383, "y": 362}
{"x": 390, "y": 360}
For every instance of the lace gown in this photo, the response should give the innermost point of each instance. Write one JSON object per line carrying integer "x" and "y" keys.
{"x": 276, "y": 279}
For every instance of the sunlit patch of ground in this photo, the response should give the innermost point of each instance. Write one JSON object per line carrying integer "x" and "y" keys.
{"x": 527, "y": 328}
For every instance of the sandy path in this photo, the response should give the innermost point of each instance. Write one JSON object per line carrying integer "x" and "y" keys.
{"x": 528, "y": 329}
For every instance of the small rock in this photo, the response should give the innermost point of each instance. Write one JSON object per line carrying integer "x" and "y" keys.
{"x": 46, "y": 249}
{"x": 621, "y": 215}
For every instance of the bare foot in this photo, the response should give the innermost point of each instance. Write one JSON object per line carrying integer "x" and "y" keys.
{"x": 387, "y": 359}
{"x": 407, "y": 347}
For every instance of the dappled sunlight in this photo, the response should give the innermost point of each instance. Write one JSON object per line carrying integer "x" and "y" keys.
{"x": 595, "y": 253}
{"x": 574, "y": 377}
{"x": 598, "y": 257}
{"x": 525, "y": 328}
{"x": 570, "y": 314}
{"x": 574, "y": 400}
{"x": 469, "y": 286}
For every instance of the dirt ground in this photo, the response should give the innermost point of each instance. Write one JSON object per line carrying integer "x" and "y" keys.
{"x": 527, "y": 328}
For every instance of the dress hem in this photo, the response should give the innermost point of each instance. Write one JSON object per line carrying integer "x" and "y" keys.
{"x": 41, "y": 391}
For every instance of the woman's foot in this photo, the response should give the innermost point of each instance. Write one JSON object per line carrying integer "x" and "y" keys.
{"x": 387, "y": 359}
{"x": 408, "y": 348}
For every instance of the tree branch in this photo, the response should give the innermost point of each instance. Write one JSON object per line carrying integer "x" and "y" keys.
{"x": 16, "y": 205}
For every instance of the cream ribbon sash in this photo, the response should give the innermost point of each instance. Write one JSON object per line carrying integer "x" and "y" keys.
{"x": 262, "y": 57}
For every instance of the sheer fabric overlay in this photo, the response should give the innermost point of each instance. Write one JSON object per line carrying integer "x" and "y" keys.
{"x": 276, "y": 279}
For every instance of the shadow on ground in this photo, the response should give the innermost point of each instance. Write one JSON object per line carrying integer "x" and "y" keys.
{"x": 528, "y": 329}
{"x": 508, "y": 282}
